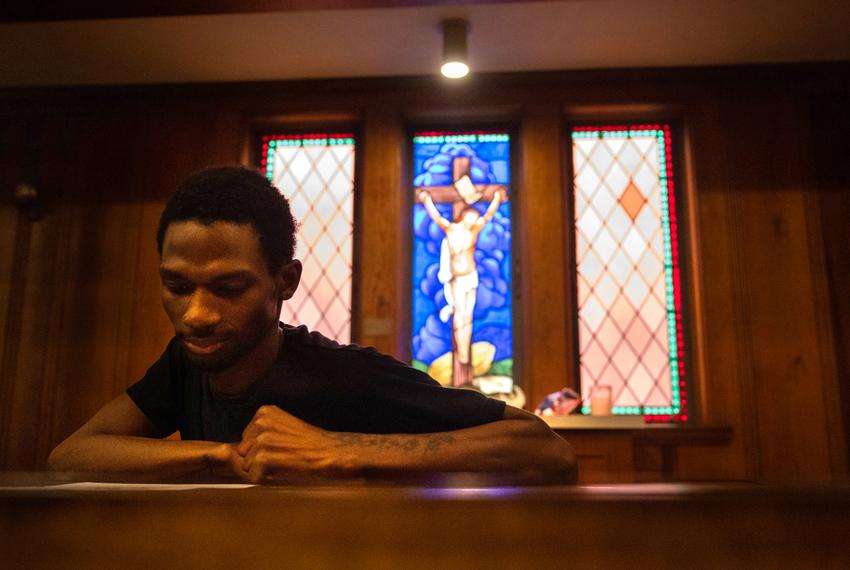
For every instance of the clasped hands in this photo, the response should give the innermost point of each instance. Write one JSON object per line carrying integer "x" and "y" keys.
{"x": 277, "y": 444}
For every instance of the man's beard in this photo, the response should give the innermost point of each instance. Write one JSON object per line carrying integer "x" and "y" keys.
{"x": 215, "y": 362}
{"x": 231, "y": 357}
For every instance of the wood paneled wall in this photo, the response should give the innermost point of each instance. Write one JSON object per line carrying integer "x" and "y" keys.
{"x": 79, "y": 287}
{"x": 831, "y": 120}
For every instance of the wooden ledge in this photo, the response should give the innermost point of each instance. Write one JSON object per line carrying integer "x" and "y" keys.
{"x": 642, "y": 434}
{"x": 684, "y": 435}
{"x": 581, "y": 422}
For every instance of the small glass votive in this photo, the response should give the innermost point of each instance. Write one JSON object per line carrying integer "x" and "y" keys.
{"x": 600, "y": 401}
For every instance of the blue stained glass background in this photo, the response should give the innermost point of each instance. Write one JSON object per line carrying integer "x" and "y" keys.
{"x": 492, "y": 322}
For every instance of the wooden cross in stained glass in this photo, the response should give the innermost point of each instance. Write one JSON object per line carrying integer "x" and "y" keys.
{"x": 461, "y": 195}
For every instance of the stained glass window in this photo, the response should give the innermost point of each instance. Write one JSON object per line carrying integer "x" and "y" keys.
{"x": 462, "y": 292}
{"x": 316, "y": 173}
{"x": 629, "y": 292}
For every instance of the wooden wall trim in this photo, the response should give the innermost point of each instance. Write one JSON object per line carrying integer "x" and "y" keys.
{"x": 779, "y": 294}
{"x": 744, "y": 337}
{"x": 383, "y": 207}
{"x": 38, "y": 11}
{"x": 829, "y": 116}
{"x": 12, "y": 320}
{"x": 132, "y": 219}
{"x": 826, "y": 342}
{"x": 691, "y": 237}
{"x": 836, "y": 424}
{"x": 542, "y": 312}
{"x": 16, "y": 137}
{"x": 630, "y": 87}
{"x": 718, "y": 385}
{"x": 57, "y": 315}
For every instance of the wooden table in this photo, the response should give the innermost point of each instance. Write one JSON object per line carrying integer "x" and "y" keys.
{"x": 438, "y": 522}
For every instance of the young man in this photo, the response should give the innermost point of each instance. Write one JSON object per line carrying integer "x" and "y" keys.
{"x": 265, "y": 400}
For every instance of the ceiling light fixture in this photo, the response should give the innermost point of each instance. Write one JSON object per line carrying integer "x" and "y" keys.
{"x": 454, "y": 48}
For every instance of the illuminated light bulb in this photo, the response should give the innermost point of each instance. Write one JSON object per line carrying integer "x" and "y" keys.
{"x": 454, "y": 48}
{"x": 454, "y": 69}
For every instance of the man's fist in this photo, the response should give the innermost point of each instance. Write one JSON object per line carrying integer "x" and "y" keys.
{"x": 277, "y": 443}
{"x": 224, "y": 461}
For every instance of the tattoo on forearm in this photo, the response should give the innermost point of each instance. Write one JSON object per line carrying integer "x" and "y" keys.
{"x": 436, "y": 441}
{"x": 430, "y": 443}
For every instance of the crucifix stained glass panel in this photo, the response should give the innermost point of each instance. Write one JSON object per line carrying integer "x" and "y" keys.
{"x": 462, "y": 290}
{"x": 316, "y": 173}
{"x": 629, "y": 292}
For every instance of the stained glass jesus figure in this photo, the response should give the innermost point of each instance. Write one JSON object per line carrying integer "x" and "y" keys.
{"x": 458, "y": 272}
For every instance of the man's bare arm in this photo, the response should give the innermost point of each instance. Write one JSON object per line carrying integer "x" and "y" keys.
{"x": 428, "y": 202}
{"x": 492, "y": 208}
{"x": 276, "y": 444}
{"x": 120, "y": 438}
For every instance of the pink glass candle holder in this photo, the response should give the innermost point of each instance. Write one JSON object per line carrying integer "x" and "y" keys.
{"x": 600, "y": 401}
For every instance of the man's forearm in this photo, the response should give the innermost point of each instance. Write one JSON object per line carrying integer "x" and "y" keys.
{"x": 277, "y": 444}
{"x": 522, "y": 447}
{"x": 119, "y": 453}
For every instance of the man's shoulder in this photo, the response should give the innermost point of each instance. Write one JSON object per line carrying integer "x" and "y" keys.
{"x": 301, "y": 338}
{"x": 328, "y": 353}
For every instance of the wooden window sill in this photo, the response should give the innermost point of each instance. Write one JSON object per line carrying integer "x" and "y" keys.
{"x": 662, "y": 434}
{"x": 595, "y": 438}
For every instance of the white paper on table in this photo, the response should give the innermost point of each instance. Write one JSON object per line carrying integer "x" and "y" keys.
{"x": 94, "y": 486}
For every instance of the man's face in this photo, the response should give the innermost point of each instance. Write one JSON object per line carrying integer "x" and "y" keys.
{"x": 218, "y": 292}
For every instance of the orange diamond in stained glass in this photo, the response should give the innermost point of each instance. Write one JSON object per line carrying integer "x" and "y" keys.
{"x": 632, "y": 200}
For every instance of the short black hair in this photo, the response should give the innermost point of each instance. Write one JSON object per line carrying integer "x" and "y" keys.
{"x": 240, "y": 195}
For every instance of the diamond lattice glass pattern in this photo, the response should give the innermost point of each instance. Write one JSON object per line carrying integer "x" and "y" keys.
{"x": 629, "y": 307}
{"x": 316, "y": 174}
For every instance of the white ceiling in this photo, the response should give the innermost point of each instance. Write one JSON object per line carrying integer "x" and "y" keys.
{"x": 574, "y": 34}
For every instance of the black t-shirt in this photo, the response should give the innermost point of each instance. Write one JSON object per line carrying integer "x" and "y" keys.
{"x": 335, "y": 387}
